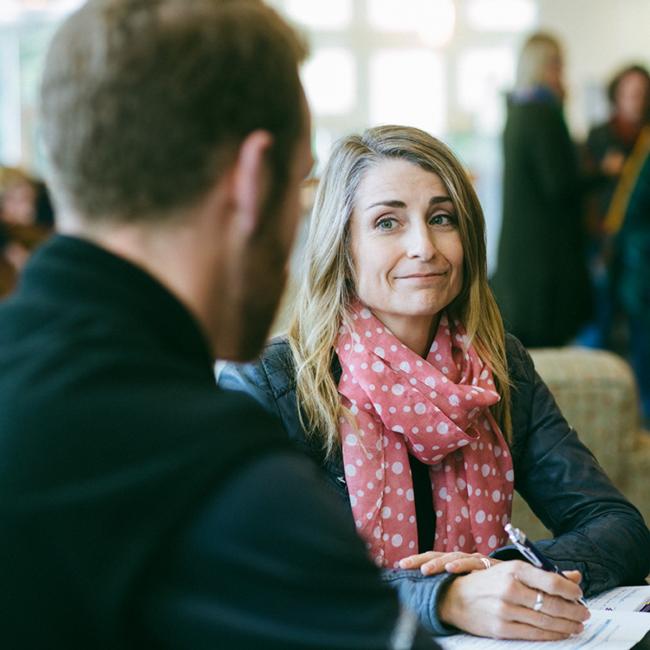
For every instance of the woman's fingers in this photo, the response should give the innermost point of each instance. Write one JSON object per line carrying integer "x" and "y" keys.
{"x": 514, "y": 601}
{"x": 439, "y": 564}
{"x": 504, "y": 629}
{"x": 541, "y": 595}
{"x": 433, "y": 562}
{"x": 556, "y": 608}
{"x": 470, "y": 563}
{"x": 555, "y": 614}
{"x": 534, "y": 625}
{"x": 417, "y": 560}
{"x": 574, "y": 576}
{"x": 550, "y": 583}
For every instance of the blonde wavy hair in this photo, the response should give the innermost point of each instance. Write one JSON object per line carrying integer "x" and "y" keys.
{"x": 327, "y": 286}
{"x": 540, "y": 51}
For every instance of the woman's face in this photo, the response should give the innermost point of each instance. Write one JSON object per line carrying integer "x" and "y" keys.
{"x": 405, "y": 246}
{"x": 18, "y": 204}
{"x": 632, "y": 97}
{"x": 554, "y": 75}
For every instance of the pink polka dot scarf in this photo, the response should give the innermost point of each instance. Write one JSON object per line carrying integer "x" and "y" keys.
{"x": 437, "y": 410}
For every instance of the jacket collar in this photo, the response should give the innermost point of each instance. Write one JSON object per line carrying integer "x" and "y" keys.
{"x": 80, "y": 273}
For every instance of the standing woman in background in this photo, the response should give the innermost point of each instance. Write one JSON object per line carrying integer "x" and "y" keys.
{"x": 541, "y": 282}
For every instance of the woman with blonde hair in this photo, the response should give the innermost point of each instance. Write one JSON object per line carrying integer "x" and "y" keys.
{"x": 541, "y": 281}
{"x": 397, "y": 377}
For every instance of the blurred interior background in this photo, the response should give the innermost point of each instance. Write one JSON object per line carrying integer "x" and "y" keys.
{"x": 442, "y": 65}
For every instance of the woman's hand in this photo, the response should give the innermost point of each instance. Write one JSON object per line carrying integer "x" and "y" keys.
{"x": 433, "y": 562}
{"x": 515, "y": 600}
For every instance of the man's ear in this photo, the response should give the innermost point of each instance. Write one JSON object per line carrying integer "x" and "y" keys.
{"x": 251, "y": 179}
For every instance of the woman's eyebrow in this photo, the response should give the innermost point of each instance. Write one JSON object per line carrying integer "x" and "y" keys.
{"x": 439, "y": 199}
{"x": 388, "y": 203}
{"x": 394, "y": 203}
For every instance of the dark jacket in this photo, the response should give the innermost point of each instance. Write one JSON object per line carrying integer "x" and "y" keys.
{"x": 602, "y": 140}
{"x": 140, "y": 507}
{"x": 634, "y": 246}
{"x": 596, "y": 529}
{"x": 541, "y": 281}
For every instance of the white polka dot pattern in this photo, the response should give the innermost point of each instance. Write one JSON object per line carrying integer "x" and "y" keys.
{"x": 388, "y": 389}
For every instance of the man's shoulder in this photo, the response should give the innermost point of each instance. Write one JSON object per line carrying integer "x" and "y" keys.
{"x": 67, "y": 386}
{"x": 236, "y": 406}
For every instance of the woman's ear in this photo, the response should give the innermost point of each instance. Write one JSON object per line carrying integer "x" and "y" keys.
{"x": 251, "y": 180}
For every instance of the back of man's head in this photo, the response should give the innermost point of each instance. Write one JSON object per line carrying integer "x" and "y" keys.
{"x": 145, "y": 102}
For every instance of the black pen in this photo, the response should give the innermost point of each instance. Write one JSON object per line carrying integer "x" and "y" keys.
{"x": 532, "y": 553}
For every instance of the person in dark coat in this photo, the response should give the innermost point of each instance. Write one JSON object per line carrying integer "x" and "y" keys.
{"x": 541, "y": 282}
{"x": 609, "y": 144}
{"x": 140, "y": 506}
{"x": 633, "y": 244}
{"x": 396, "y": 376}
{"x": 635, "y": 282}
{"x": 606, "y": 150}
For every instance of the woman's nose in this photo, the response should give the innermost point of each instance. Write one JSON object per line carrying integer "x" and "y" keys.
{"x": 421, "y": 243}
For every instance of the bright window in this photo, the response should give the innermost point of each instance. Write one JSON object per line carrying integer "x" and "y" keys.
{"x": 432, "y": 20}
{"x": 13, "y": 11}
{"x": 502, "y": 15}
{"x": 330, "y": 81}
{"x": 320, "y": 14}
{"x": 484, "y": 76}
{"x": 407, "y": 87}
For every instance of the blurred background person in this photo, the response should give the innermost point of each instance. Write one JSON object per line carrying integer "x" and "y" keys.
{"x": 608, "y": 146}
{"x": 541, "y": 282}
{"x": 366, "y": 65}
{"x": 627, "y": 225}
{"x": 26, "y": 220}
{"x": 610, "y": 143}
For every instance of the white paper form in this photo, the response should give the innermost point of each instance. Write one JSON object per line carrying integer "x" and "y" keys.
{"x": 621, "y": 599}
{"x": 603, "y": 631}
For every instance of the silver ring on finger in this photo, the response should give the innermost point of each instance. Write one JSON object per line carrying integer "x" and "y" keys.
{"x": 486, "y": 562}
{"x": 539, "y": 602}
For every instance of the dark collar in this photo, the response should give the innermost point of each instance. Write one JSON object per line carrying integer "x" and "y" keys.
{"x": 538, "y": 94}
{"x": 81, "y": 274}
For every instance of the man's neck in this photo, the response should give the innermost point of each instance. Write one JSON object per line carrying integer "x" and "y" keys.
{"x": 172, "y": 254}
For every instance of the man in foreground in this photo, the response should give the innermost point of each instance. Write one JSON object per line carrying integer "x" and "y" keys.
{"x": 139, "y": 505}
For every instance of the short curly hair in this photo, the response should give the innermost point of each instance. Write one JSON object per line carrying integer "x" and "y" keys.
{"x": 145, "y": 102}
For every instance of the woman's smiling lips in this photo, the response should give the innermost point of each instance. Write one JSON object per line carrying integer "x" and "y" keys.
{"x": 422, "y": 277}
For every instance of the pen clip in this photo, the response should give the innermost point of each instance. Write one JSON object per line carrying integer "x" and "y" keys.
{"x": 528, "y": 554}
{"x": 519, "y": 541}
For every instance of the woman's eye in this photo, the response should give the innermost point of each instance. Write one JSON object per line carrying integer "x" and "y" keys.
{"x": 442, "y": 220}
{"x": 386, "y": 223}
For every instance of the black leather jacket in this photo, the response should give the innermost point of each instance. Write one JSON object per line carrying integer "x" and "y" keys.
{"x": 596, "y": 530}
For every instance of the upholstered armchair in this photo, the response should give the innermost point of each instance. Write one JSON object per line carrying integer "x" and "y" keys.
{"x": 597, "y": 394}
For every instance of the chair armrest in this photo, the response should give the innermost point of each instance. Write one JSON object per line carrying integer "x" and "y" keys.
{"x": 597, "y": 394}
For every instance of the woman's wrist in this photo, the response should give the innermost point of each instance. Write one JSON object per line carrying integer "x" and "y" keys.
{"x": 447, "y": 602}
